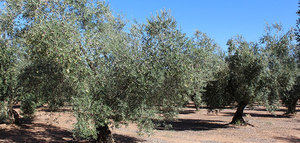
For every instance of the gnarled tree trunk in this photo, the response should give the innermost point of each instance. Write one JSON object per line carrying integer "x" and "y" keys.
{"x": 238, "y": 115}
{"x": 104, "y": 135}
{"x": 14, "y": 117}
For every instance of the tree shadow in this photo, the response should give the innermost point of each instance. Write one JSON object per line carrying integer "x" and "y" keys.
{"x": 39, "y": 132}
{"x": 263, "y": 109}
{"x": 57, "y": 110}
{"x": 291, "y": 139}
{"x": 187, "y": 112}
{"x": 191, "y": 124}
{"x": 28, "y": 133}
{"x": 258, "y": 115}
{"x": 260, "y": 108}
{"x": 126, "y": 139}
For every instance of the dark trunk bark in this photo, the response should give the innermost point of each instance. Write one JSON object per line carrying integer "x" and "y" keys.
{"x": 104, "y": 135}
{"x": 292, "y": 107}
{"x": 238, "y": 115}
{"x": 14, "y": 117}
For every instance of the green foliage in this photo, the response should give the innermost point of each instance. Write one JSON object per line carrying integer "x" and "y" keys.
{"x": 48, "y": 42}
{"x": 255, "y": 72}
{"x": 246, "y": 67}
{"x": 163, "y": 47}
{"x": 281, "y": 54}
{"x": 216, "y": 94}
{"x": 47, "y": 82}
{"x": 3, "y": 112}
{"x": 203, "y": 59}
{"x": 131, "y": 79}
{"x": 291, "y": 98}
{"x": 8, "y": 70}
{"x": 297, "y": 32}
{"x": 36, "y": 55}
{"x": 28, "y": 105}
{"x": 10, "y": 59}
{"x": 241, "y": 80}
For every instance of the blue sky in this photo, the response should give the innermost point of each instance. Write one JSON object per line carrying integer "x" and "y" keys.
{"x": 220, "y": 19}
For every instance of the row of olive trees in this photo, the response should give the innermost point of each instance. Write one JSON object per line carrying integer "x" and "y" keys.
{"x": 54, "y": 52}
{"x": 256, "y": 73}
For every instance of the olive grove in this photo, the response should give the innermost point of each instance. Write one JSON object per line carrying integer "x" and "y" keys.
{"x": 81, "y": 53}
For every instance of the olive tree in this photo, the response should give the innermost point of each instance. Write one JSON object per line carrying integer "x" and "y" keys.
{"x": 50, "y": 53}
{"x": 260, "y": 73}
{"x": 203, "y": 59}
{"x": 281, "y": 52}
{"x": 9, "y": 89}
{"x": 40, "y": 35}
{"x": 164, "y": 49}
{"x": 81, "y": 48}
{"x": 291, "y": 98}
{"x": 134, "y": 77}
{"x": 11, "y": 62}
{"x": 240, "y": 81}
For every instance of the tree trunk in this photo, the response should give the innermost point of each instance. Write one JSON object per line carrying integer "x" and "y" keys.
{"x": 14, "y": 117}
{"x": 104, "y": 135}
{"x": 292, "y": 107}
{"x": 238, "y": 115}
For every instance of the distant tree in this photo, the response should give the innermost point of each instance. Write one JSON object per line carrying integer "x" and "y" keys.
{"x": 240, "y": 82}
{"x": 163, "y": 47}
{"x": 204, "y": 58}
{"x": 281, "y": 51}
{"x": 291, "y": 98}
{"x": 254, "y": 73}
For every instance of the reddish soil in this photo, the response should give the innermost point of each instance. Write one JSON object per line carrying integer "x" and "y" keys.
{"x": 190, "y": 127}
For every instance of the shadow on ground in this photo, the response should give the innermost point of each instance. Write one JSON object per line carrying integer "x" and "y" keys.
{"x": 58, "y": 110}
{"x": 187, "y": 112}
{"x": 263, "y": 109}
{"x": 279, "y": 109}
{"x": 291, "y": 139}
{"x": 191, "y": 124}
{"x": 28, "y": 133}
{"x": 126, "y": 139}
{"x": 258, "y": 115}
{"x": 39, "y": 132}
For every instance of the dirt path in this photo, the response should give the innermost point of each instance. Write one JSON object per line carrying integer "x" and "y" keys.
{"x": 191, "y": 127}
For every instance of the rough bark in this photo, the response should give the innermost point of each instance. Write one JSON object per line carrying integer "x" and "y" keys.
{"x": 238, "y": 115}
{"x": 14, "y": 117}
{"x": 104, "y": 135}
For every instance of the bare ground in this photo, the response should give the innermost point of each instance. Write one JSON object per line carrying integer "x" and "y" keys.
{"x": 190, "y": 127}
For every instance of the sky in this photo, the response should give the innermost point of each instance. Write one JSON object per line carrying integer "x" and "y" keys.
{"x": 220, "y": 19}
